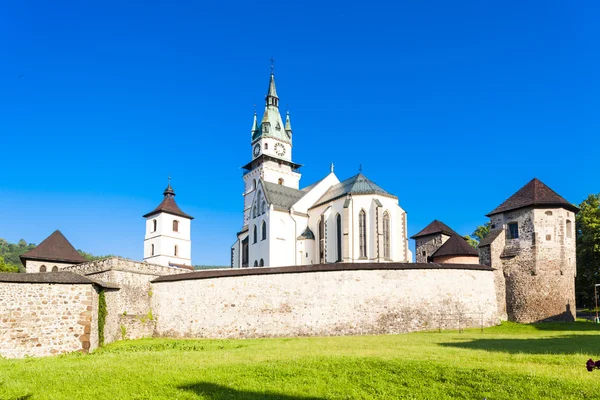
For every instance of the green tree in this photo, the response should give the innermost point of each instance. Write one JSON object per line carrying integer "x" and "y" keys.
{"x": 587, "y": 225}
{"x": 478, "y": 234}
{"x": 4, "y": 267}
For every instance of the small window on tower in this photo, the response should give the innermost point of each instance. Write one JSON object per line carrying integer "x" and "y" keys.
{"x": 43, "y": 268}
{"x": 569, "y": 229}
{"x": 266, "y": 146}
{"x": 153, "y": 225}
{"x": 176, "y": 251}
{"x": 175, "y": 226}
{"x": 280, "y": 181}
{"x": 55, "y": 269}
{"x": 152, "y": 250}
{"x": 512, "y": 230}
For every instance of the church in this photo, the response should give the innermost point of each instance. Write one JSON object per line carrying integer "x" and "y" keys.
{"x": 329, "y": 221}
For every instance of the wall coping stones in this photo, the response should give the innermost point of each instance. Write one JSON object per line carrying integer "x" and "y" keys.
{"x": 222, "y": 273}
{"x": 61, "y": 277}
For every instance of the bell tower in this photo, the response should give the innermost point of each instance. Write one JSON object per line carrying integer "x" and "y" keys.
{"x": 271, "y": 150}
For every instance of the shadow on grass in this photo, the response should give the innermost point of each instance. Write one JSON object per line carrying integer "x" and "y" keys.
{"x": 217, "y": 392}
{"x": 568, "y": 344}
{"x": 567, "y": 326}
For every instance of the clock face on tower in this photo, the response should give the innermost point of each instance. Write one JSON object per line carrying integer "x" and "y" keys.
{"x": 256, "y": 149}
{"x": 279, "y": 149}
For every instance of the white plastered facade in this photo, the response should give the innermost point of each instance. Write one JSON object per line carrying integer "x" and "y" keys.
{"x": 163, "y": 244}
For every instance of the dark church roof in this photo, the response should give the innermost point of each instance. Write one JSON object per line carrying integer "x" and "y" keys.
{"x": 169, "y": 206}
{"x": 357, "y": 185}
{"x": 282, "y": 197}
{"x": 55, "y": 247}
{"x": 534, "y": 193}
{"x": 455, "y": 246}
{"x": 435, "y": 227}
{"x": 307, "y": 234}
{"x": 490, "y": 237}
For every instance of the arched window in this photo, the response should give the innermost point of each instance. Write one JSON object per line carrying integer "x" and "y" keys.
{"x": 176, "y": 251}
{"x": 264, "y": 230}
{"x": 151, "y": 249}
{"x": 255, "y": 237}
{"x": 175, "y": 226}
{"x": 55, "y": 269}
{"x": 264, "y": 207}
{"x": 362, "y": 234}
{"x": 255, "y": 263}
{"x": 338, "y": 228}
{"x": 254, "y": 211}
{"x": 262, "y": 263}
{"x": 321, "y": 242}
{"x": 258, "y": 203}
{"x": 280, "y": 181}
{"x": 153, "y": 225}
{"x": 43, "y": 268}
{"x": 253, "y": 185}
{"x": 386, "y": 235}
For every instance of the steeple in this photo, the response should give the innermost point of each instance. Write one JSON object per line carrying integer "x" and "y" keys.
{"x": 272, "y": 99}
{"x": 254, "y": 125}
{"x": 288, "y": 125}
{"x": 169, "y": 192}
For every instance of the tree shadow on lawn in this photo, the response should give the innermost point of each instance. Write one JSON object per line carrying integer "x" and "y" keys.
{"x": 567, "y": 344}
{"x": 216, "y": 392}
{"x": 567, "y": 326}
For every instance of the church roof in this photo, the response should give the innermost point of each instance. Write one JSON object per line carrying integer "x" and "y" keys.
{"x": 307, "y": 234}
{"x": 55, "y": 247}
{"x": 282, "y": 197}
{"x": 169, "y": 206}
{"x": 534, "y": 193}
{"x": 271, "y": 124}
{"x": 357, "y": 185}
{"x": 435, "y": 227}
{"x": 455, "y": 246}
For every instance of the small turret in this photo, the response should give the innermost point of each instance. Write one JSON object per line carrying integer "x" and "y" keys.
{"x": 288, "y": 125}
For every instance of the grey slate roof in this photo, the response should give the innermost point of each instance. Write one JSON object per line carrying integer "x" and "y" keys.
{"x": 486, "y": 241}
{"x": 455, "y": 246}
{"x": 435, "y": 227}
{"x": 282, "y": 197}
{"x": 534, "y": 193}
{"x": 358, "y": 184}
{"x": 63, "y": 277}
{"x": 307, "y": 234}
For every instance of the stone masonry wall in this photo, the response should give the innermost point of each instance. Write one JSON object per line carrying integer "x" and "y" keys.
{"x": 325, "y": 303}
{"x": 40, "y": 319}
{"x": 428, "y": 244}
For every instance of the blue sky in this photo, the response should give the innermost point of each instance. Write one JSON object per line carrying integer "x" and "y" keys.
{"x": 451, "y": 106}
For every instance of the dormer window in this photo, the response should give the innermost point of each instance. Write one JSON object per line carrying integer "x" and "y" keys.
{"x": 512, "y": 230}
{"x": 265, "y": 127}
{"x": 278, "y": 127}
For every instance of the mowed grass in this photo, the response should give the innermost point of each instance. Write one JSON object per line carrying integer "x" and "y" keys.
{"x": 511, "y": 361}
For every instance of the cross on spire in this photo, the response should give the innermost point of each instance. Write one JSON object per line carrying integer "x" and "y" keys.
{"x": 360, "y": 168}
{"x": 272, "y": 65}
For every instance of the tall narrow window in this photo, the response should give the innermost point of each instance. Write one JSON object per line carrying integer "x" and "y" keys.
{"x": 254, "y": 211}
{"x": 338, "y": 236}
{"x": 512, "y": 230}
{"x": 153, "y": 225}
{"x": 176, "y": 252}
{"x": 569, "y": 228}
{"x": 255, "y": 237}
{"x": 264, "y": 230}
{"x": 264, "y": 207}
{"x": 55, "y": 269}
{"x": 386, "y": 235}
{"x": 262, "y": 263}
{"x": 362, "y": 233}
{"x": 258, "y": 203}
{"x": 43, "y": 268}
{"x": 255, "y": 263}
{"x": 321, "y": 242}
{"x": 151, "y": 249}
{"x": 175, "y": 226}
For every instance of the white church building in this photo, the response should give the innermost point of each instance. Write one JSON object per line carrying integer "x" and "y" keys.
{"x": 329, "y": 221}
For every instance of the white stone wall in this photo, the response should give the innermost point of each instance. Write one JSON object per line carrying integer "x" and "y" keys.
{"x": 165, "y": 239}
{"x": 325, "y": 303}
{"x": 32, "y": 266}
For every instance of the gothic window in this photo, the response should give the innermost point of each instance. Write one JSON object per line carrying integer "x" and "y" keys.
{"x": 151, "y": 249}
{"x": 338, "y": 223}
{"x": 362, "y": 234}
{"x": 264, "y": 207}
{"x": 259, "y": 211}
{"x": 280, "y": 181}
{"x": 43, "y": 268}
{"x": 569, "y": 228}
{"x": 255, "y": 237}
{"x": 176, "y": 251}
{"x": 55, "y": 269}
{"x": 175, "y": 226}
{"x": 262, "y": 263}
{"x": 255, "y": 263}
{"x": 512, "y": 230}
{"x": 264, "y": 230}
{"x": 254, "y": 211}
{"x": 153, "y": 225}
{"x": 386, "y": 235}
{"x": 321, "y": 242}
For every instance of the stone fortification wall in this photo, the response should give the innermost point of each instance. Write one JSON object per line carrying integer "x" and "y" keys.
{"x": 331, "y": 299}
{"x": 129, "y": 310}
{"x": 40, "y": 319}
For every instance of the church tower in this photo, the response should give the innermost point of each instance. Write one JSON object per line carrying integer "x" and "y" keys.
{"x": 271, "y": 150}
{"x": 167, "y": 240}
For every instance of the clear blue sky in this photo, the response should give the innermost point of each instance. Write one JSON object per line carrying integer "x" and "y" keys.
{"x": 452, "y": 106}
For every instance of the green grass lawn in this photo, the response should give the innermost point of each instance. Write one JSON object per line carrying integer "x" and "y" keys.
{"x": 505, "y": 362}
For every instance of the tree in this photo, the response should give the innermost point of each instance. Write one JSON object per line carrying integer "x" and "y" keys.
{"x": 587, "y": 225}
{"x": 478, "y": 234}
{"x": 4, "y": 267}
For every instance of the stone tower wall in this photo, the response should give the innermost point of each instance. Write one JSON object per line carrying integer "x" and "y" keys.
{"x": 428, "y": 244}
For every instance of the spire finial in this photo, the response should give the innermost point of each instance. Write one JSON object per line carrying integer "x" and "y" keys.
{"x": 272, "y": 65}
{"x": 360, "y": 168}
{"x": 331, "y": 168}
{"x": 169, "y": 192}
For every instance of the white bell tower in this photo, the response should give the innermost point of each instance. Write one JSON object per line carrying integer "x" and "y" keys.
{"x": 167, "y": 241}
